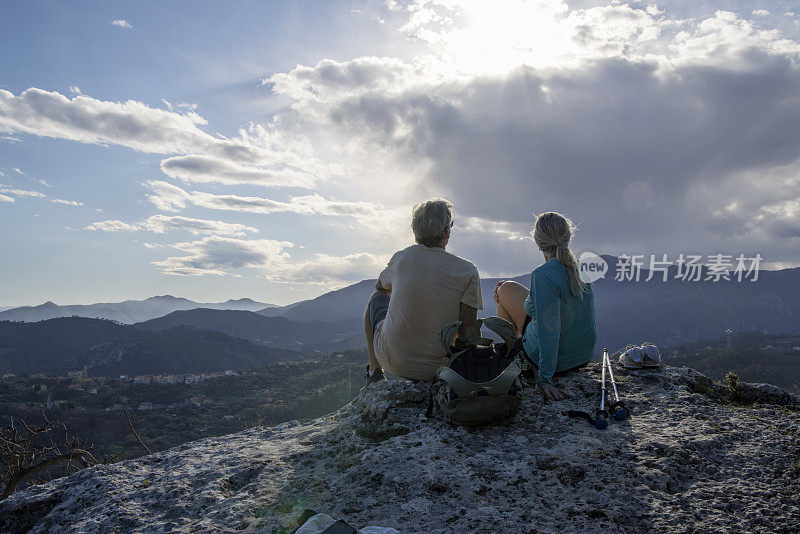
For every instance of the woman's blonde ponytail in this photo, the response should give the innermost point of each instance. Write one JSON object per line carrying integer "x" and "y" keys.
{"x": 552, "y": 235}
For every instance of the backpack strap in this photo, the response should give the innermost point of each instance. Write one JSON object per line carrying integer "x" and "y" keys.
{"x": 601, "y": 416}
{"x": 464, "y": 388}
{"x": 502, "y": 328}
{"x": 447, "y": 334}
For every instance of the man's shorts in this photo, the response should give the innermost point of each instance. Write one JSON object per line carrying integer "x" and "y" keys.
{"x": 378, "y": 307}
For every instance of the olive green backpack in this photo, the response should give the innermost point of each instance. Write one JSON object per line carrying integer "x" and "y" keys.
{"x": 479, "y": 380}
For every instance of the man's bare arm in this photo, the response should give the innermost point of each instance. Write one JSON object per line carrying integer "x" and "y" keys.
{"x": 468, "y": 316}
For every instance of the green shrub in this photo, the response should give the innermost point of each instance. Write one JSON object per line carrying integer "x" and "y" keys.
{"x": 734, "y": 389}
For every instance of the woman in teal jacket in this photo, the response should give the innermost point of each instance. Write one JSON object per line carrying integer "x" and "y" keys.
{"x": 556, "y": 317}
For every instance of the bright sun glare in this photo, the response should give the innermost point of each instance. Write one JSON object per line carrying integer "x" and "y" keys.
{"x": 493, "y": 37}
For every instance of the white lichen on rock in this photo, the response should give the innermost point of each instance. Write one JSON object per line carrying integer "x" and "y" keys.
{"x": 687, "y": 459}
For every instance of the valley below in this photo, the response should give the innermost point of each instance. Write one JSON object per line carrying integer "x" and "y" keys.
{"x": 181, "y": 373}
{"x": 166, "y": 413}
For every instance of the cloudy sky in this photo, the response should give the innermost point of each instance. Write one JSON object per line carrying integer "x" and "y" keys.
{"x": 274, "y": 150}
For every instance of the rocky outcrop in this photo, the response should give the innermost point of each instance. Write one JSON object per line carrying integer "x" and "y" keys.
{"x": 689, "y": 459}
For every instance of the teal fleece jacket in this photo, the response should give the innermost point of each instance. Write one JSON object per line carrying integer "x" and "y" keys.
{"x": 562, "y": 331}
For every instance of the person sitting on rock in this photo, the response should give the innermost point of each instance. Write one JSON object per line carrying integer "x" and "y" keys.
{"x": 422, "y": 288}
{"x": 556, "y": 317}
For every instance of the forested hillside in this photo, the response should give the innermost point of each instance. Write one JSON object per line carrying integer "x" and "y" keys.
{"x": 106, "y": 348}
{"x": 278, "y": 332}
{"x": 753, "y": 356}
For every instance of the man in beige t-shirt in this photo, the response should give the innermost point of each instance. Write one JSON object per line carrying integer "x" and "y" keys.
{"x": 421, "y": 289}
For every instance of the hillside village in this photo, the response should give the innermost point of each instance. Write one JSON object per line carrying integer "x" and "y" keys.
{"x": 171, "y": 409}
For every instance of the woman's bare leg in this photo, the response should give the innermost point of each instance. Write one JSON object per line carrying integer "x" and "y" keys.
{"x": 503, "y": 313}
{"x": 511, "y": 303}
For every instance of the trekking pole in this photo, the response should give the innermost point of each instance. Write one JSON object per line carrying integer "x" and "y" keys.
{"x": 600, "y": 420}
{"x": 620, "y": 411}
{"x": 601, "y": 417}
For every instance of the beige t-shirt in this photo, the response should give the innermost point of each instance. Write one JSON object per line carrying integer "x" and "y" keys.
{"x": 427, "y": 285}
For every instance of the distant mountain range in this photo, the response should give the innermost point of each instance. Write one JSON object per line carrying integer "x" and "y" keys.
{"x": 668, "y": 313}
{"x": 126, "y": 312}
{"x": 350, "y": 301}
{"x": 105, "y": 348}
{"x": 676, "y": 311}
{"x": 270, "y": 331}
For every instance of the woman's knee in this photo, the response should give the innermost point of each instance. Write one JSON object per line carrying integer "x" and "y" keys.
{"x": 510, "y": 290}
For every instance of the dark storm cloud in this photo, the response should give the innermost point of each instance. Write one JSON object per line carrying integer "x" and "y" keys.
{"x": 622, "y": 146}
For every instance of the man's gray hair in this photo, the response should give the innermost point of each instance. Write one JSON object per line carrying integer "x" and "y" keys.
{"x": 431, "y": 220}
